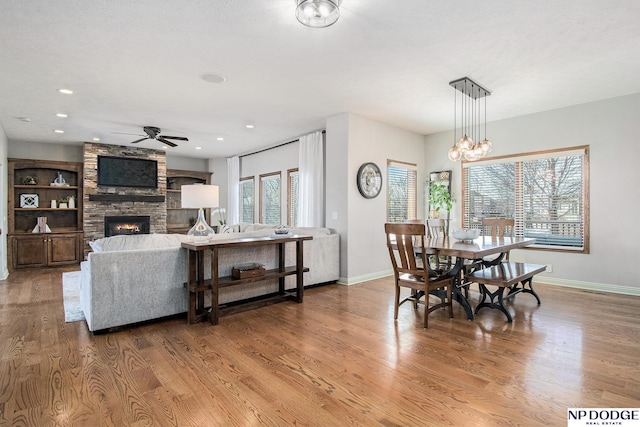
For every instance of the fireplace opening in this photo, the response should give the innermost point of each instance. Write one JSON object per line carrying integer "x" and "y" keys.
{"x": 125, "y": 225}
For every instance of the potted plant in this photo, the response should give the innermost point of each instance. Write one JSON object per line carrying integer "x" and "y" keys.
{"x": 62, "y": 203}
{"x": 439, "y": 198}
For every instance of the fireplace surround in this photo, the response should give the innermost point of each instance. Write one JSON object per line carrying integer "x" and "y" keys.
{"x": 125, "y": 225}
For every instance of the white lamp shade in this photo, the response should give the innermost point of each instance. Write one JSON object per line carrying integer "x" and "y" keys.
{"x": 200, "y": 196}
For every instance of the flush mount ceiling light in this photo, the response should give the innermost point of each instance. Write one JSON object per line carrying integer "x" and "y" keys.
{"x": 470, "y": 121}
{"x": 213, "y": 78}
{"x": 318, "y": 13}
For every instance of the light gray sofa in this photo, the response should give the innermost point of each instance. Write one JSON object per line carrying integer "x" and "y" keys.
{"x": 130, "y": 279}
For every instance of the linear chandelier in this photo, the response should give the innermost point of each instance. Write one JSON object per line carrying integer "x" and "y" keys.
{"x": 470, "y": 123}
{"x": 318, "y": 13}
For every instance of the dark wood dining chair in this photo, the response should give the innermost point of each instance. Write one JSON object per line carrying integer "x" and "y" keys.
{"x": 407, "y": 259}
{"x": 498, "y": 228}
{"x": 437, "y": 228}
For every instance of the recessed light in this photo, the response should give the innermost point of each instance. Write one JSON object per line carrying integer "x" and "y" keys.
{"x": 62, "y": 115}
{"x": 213, "y": 78}
{"x": 249, "y": 126}
{"x": 96, "y": 139}
{"x": 66, "y": 91}
{"x": 58, "y": 131}
{"x": 198, "y": 148}
{"x": 220, "y": 138}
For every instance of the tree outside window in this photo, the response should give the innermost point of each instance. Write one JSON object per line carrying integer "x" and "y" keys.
{"x": 544, "y": 192}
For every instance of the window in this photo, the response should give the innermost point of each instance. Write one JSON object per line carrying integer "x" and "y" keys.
{"x": 545, "y": 193}
{"x": 402, "y": 187}
{"x": 292, "y": 196}
{"x": 247, "y": 200}
{"x": 270, "y": 198}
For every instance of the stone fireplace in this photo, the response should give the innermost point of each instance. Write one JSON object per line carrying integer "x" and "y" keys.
{"x": 104, "y": 201}
{"x": 124, "y": 225}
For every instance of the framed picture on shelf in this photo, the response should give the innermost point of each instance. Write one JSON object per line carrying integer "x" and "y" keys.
{"x": 29, "y": 201}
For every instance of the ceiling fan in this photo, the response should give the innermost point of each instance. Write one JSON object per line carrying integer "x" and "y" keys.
{"x": 154, "y": 133}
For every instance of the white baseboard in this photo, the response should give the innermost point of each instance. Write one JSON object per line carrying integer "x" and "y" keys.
{"x": 364, "y": 278}
{"x": 588, "y": 286}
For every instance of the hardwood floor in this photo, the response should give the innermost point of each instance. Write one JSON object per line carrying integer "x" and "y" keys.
{"x": 338, "y": 359}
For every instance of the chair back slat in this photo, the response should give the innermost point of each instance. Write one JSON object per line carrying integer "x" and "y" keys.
{"x": 437, "y": 227}
{"x": 406, "y": 247}
{"x": 498, "y": 227}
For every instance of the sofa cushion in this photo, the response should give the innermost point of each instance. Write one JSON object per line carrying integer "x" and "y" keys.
{"x": 137, "y": 241}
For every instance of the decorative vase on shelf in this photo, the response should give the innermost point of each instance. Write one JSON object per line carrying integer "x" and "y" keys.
{"x": 72, "y": 203}
{"x": 54, "y": 204}
{"x": 59, "y": 181}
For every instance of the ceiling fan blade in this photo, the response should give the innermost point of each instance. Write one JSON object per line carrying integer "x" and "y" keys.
{"x": 140, "y": 140}
{"x": 179, "y": 138}
{"x": 123, "y": 133}
{"x": 169, "y": 143}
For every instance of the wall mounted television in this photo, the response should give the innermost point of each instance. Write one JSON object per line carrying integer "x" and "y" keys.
{"x": 127, "y": 172}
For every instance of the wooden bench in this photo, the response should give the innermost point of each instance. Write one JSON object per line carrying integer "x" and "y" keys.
{"x": 514, "y": 276}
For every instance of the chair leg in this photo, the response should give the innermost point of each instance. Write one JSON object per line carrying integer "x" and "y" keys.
{"x": 397, "y": 303}
{"x": 426, "y": 308}
{"x": 449, "y": 300}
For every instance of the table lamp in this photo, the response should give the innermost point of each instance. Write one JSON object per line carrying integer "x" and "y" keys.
{"x": 200, "y": 196}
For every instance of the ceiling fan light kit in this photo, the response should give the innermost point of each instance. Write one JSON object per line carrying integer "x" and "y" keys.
{"x": 318, "y": 13}
{"x": 154, "y": 133}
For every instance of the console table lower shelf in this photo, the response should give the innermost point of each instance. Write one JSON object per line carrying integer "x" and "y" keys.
{"x": 197, "y": 286}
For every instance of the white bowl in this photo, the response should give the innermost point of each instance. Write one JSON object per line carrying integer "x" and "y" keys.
{"x": 466, "y": 234}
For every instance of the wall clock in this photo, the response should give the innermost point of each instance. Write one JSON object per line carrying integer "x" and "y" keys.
{"x": 369, "y": 180}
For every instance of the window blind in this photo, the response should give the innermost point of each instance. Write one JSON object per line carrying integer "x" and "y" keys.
{"x": 292, "y": 192}
{"x": 544, "y": 192}
{"x": 270, "y": 198}
{"x": 402, "y": 191}
{"x": 247, "y": 200}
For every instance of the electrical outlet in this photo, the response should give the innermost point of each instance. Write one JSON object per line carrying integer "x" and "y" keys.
{"x": 549, "y": 268}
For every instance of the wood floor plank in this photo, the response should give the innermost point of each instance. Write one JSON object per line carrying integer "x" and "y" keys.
{"x": 337, "y": 359}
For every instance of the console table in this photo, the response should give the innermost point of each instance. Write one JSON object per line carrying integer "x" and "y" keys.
{"x": 198, "y": 285}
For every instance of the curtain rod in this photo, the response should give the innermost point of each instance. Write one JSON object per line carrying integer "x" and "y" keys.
{"x": 275, "y": 146}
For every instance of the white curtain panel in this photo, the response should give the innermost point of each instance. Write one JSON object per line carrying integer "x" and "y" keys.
{"x": 311, "y": 185}
{"x": 233, "y": 194}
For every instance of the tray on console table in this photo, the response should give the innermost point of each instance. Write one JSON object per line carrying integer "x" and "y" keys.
{"x": 198, "y": 285}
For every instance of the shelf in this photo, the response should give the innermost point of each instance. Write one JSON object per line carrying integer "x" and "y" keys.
{"x": 124, "y": 198}
{"x": 47, "y": 187}
{"x": 225, "y": 282}
{"x": 44, "y": 209}
{"x": 56, "y": 231}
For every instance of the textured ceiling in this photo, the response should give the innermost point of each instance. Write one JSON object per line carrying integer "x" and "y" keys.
{"x": 137, "y": 63}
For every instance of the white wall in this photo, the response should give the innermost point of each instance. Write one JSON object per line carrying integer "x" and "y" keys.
{"x": 364, "y": 253}
{"x": 279, "y": 159}
{"x": 4, "y": 272}
{"x": 610, "y": 128}
{"x": 42, "y": 151}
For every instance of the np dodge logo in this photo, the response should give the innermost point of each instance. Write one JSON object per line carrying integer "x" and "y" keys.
{"x": 625, "y": 417}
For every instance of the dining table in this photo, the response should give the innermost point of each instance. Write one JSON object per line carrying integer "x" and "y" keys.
{"x": 472, "y": 251}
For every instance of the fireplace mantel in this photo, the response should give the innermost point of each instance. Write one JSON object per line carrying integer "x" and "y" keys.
{"x": 125, "y": 198}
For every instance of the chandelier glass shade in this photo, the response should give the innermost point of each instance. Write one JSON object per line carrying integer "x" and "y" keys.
{"x": 318, "y": 13}
{"x": 467, "y": 113}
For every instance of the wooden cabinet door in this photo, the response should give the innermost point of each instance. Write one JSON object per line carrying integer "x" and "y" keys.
{"x": 63, "y": 249}
{"x": 29, "y": 251}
